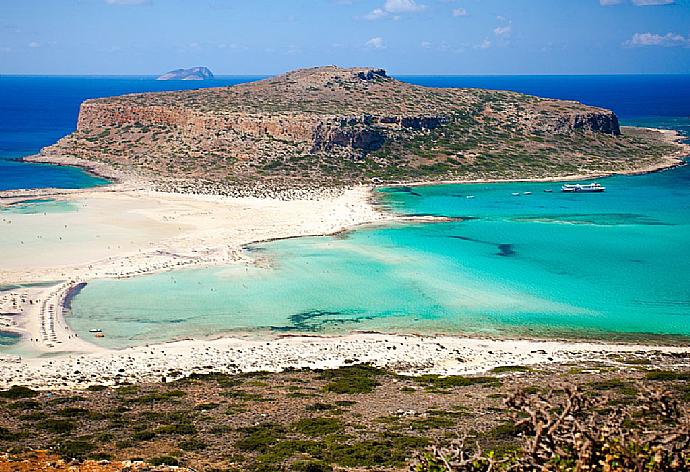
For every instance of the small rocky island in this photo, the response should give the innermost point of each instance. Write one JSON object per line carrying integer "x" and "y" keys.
{"x": 195, "y": 73}
{"x": 333, "y": 127}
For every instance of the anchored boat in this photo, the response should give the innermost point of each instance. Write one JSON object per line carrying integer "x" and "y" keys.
{"x": 595, "y": 187}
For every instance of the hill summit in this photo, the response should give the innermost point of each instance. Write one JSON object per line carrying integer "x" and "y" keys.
{"x": 334, "y": 126}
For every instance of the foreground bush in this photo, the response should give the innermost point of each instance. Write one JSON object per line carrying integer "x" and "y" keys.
{"x": 574, "y": 431}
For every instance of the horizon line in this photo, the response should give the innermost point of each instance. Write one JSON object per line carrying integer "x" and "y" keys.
{"x": 220, "y": 76}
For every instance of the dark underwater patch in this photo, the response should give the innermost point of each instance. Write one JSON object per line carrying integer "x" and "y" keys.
{"x": 404, "y": 190}
{"x": 597, "y": 219}
{"x": 317, "y": 320}
{"x": 504, "y": 249}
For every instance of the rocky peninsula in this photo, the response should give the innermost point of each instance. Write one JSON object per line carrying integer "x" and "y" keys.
{"x": 335, "y": 127}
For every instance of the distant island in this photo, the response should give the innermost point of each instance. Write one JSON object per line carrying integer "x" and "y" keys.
{"x": 335, "y": 127}
{"x": 195, "y": 73}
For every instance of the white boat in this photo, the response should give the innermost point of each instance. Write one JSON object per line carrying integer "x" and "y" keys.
{"x": 571, "y": 188}
{"x": 516, "y": 194}
{"x": 95, "y": 330}
{"x": 528, "y": 193}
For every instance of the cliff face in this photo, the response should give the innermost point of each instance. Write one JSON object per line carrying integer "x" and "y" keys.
{"x": 335, "y": 124}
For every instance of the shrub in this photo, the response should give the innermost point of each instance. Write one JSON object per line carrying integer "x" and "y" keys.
{"x": 436, "y": 382}
{"x": 260, "y": 438}
{"x": 510, "y": 368}
{"x": 359, "y": 378}
{"x": 164, "y": 460}
{"x": 17, "y": 391}
{"x": 57, "y": 426}
{"x": 569, "y": 431}
{"x": 193, "y": 444}
{"x": 145, "y": 435}
{"x": 318, "y": 426}
{"x": 77, "y": 449}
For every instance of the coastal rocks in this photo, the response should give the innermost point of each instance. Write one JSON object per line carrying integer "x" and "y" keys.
{"x": 372, "y": 74}
{"x": 357, "y": 136}
{"x": 321, "y": 133}
{"x": 604, "y": 121}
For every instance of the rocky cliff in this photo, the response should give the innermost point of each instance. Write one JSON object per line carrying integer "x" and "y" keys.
{"x": 339, "y": 126}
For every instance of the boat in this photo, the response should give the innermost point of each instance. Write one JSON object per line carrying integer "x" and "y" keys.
{"x": 528, "y": 193}
{"x": 516, "y": 194}
{"x": 572, "y": 188}
{"x": 548, "y": 190}
{"x": 100, "y": 335}
{"x": 95, "y": 330}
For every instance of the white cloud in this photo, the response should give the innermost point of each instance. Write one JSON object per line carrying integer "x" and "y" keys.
{"x": 375, "y": 43}
{"x": 607, "y": 3}
{"x": 486, "y": 44}
{"x": 126, "y": 2}
{"x": 503, "y": 30}
{"x": 375, "y": 14}
{"x": 394, "y": 7}
{"x": 402, "y": 6}
{"x": 34, "y": 44}
{"x": 651, "y": 39}
{"x": 459, "y": 12}
{"x": 425, "y": 44}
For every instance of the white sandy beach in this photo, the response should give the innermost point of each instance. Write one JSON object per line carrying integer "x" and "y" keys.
{"x": 448, "y": 355}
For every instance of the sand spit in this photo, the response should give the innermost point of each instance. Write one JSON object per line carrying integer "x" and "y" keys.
{"x": 134, "y": 232}
{"x": 405, "y": 354}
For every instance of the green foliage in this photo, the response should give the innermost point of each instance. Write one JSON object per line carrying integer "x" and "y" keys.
{"x": 77, "y": 449}
{"x": 318, "y": 426}
{"x": 18, "y": 391}
{"x": 667, "y": 375}
{"x": 390, "y": 452}
{"x": 510, "y": 368}
{"x": 360, "y": 378}
{"x": 58, "y": 426}
{"x": 193, "y": 444}
{"x": 164, "y": 460}
{"x": 434, "y": 382}
{"x": 260, "y": 438}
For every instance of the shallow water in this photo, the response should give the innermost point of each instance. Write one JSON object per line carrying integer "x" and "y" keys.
{"x": 545, "y": 264}
{"x": 39, "y": 205}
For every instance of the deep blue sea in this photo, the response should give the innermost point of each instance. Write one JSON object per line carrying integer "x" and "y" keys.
{"x": 37, "y": 111}
{"x": 602, "y": 265}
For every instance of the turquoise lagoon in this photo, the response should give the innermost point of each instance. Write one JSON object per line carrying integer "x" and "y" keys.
{"x": 609, "y": 265}
{"x": 35, "y": 206}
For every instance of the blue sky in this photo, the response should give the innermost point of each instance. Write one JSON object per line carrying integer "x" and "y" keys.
{"x": 403, "y": 36}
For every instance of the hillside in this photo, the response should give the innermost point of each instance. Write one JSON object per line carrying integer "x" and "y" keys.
{"x": 331, "y": 126}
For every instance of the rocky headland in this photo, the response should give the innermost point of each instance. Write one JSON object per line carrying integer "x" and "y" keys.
{"x": 334, "y": 127}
